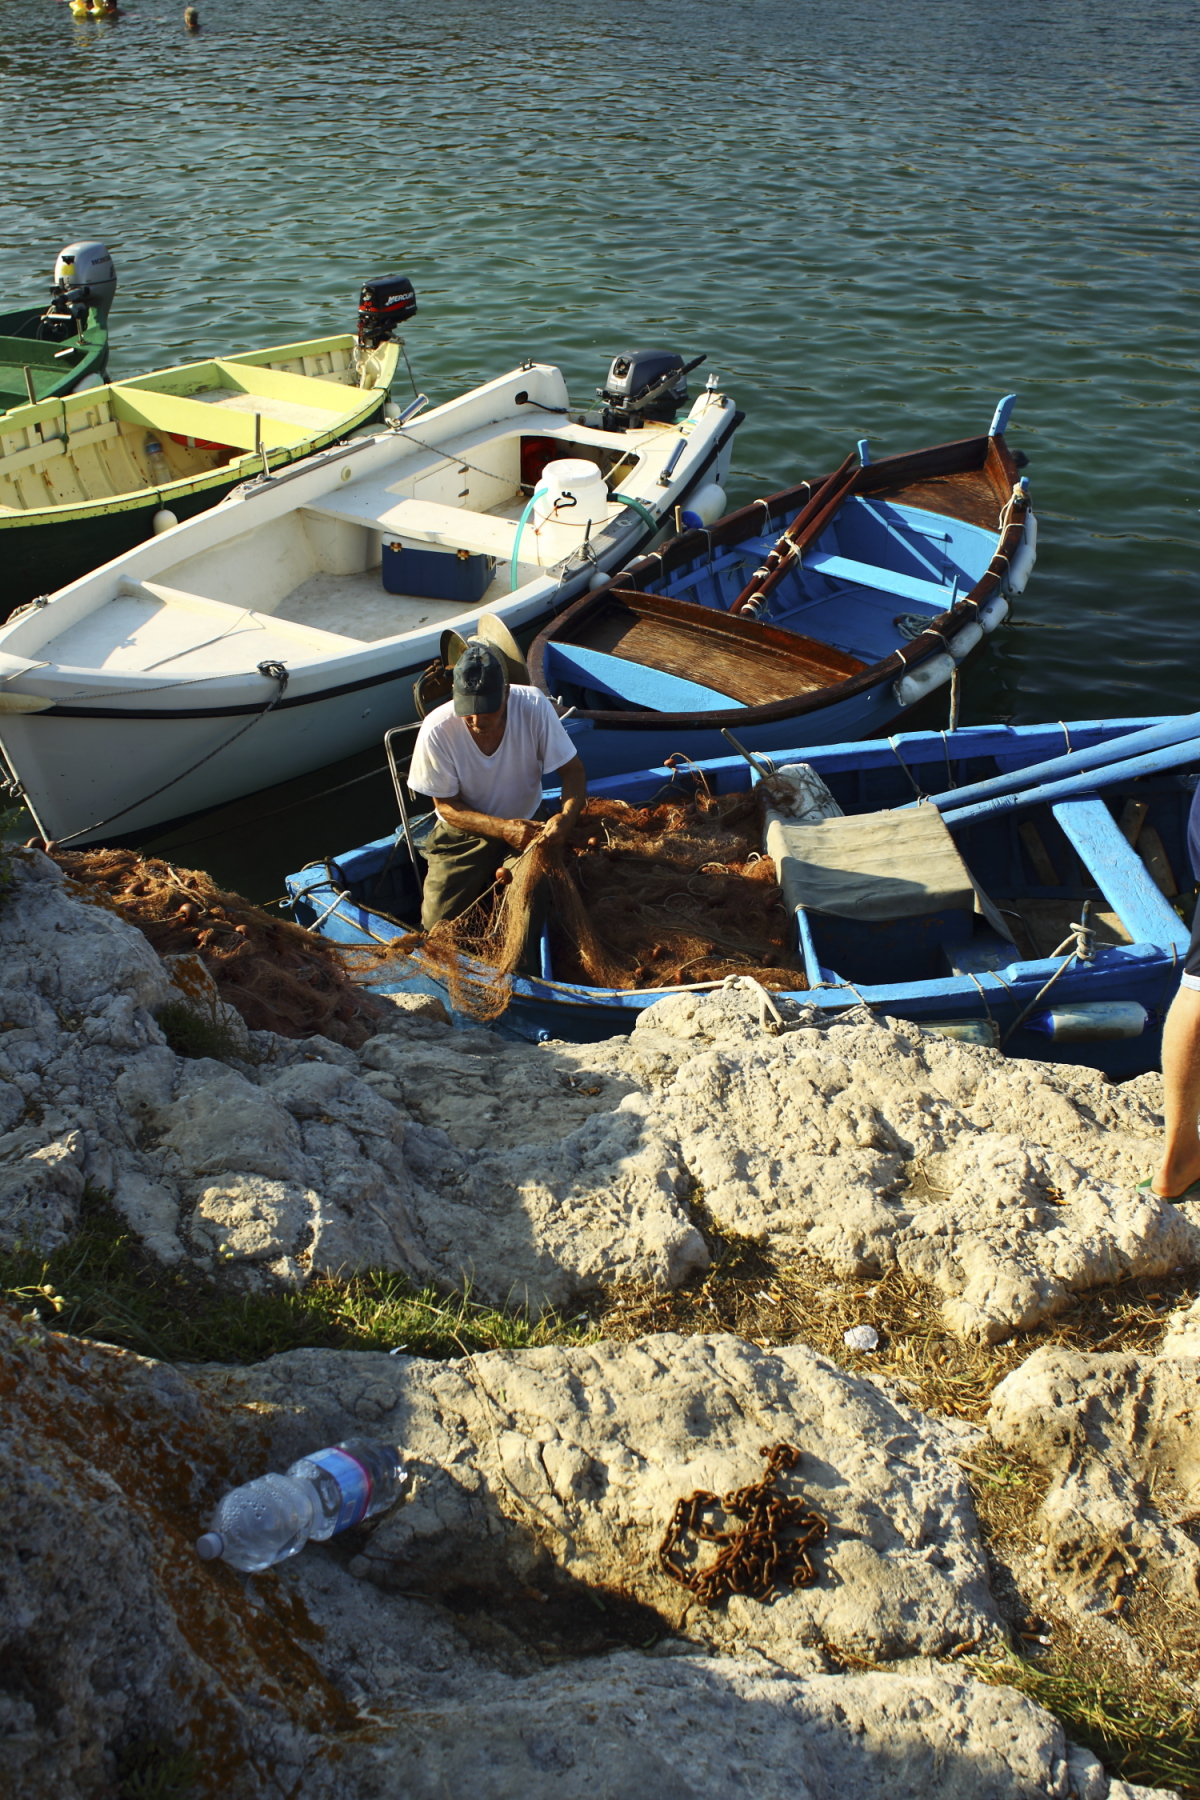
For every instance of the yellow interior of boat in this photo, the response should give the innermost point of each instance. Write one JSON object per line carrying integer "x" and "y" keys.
{"x": 176, "y": 425}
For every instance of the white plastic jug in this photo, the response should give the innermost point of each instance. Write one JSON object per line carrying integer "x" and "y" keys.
{"x": 574, "y": 493}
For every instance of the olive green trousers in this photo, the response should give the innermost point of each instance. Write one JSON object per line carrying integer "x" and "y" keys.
{"x": 460, "y": 869}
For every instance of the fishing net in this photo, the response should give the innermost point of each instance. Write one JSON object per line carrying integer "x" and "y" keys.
{"x": 656, "y": 896}
{"x": 278, "y": 976}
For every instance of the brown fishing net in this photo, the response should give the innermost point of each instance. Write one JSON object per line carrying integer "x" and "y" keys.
{"x": 645, "y": 897}
{"x": 279, "y": 977}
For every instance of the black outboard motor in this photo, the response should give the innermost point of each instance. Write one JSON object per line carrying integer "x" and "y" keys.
{"x": 385, "y": 302}
{"x": 641, "y": 385}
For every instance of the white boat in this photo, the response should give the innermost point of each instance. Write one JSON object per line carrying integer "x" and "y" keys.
{"x": 257, "y": 641}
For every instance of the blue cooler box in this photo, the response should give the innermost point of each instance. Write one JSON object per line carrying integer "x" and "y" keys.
{"x": 437, "y": 574}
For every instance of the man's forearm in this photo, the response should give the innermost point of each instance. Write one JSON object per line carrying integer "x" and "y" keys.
{"x": 475, "y": 824}
{"x": 573, "y": 784}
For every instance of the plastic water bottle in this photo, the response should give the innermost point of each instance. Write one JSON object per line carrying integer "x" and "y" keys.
{"x": 269, "y": 1519}
{"x": 156, "y": 462}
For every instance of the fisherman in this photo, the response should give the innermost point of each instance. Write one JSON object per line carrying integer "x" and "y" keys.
{"x": 480, "y": 757}
{"x": 1178, "y": 1174}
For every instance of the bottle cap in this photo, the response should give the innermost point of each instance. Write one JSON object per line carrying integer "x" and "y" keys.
{"x": 210, "y": 1546}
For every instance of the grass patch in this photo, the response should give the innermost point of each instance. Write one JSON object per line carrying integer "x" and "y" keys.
{"x": 769, "y": 1299}
{"x": 155, "y": 1768}
{"x": 190, "y": 1032}
{"x": 1144, "y": 1729}
{"x": 1007, "y": 1489}
{"x": 102, "y": 1285}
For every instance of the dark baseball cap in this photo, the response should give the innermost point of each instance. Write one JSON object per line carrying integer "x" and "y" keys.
{"x": 480, "y": 681}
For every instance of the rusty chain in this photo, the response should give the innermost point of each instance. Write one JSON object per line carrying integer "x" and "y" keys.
{"x": 768, "y": 1550}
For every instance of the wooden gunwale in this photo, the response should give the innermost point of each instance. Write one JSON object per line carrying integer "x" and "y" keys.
{"x": 985, "y": 457}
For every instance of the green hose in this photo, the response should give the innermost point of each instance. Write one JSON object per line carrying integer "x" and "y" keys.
{"x": 643, "y": 512}
{"x": 512, "y": 567}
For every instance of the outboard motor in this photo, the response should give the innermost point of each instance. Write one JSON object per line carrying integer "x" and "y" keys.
{"x": 641, "y": 385}
{"x": 384, "y": 303}
{"x": 83, "y": 277}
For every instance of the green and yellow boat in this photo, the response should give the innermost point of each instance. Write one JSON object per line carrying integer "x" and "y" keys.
{"x": 50, "y": 350}
{"x": 86, "y": 476}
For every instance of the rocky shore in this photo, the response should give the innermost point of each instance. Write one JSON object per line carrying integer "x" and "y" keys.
{"x": 508, "y": 1628}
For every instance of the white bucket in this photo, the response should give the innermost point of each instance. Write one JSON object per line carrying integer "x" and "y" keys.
{"x": 574, "y": 493}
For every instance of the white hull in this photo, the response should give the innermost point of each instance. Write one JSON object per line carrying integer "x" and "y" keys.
{"x": 148, "y": 669}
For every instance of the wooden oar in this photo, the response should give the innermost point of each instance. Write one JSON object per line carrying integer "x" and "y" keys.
{"x": 1098, "y": 756}
{"x": 807, "y": 524}
{"x": 1086, "y": 781}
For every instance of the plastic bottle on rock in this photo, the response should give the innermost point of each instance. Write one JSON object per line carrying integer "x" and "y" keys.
{"x": 269, "y": 1519}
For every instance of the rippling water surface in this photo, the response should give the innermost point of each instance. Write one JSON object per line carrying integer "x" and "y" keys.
{"x": 876, "y": 220}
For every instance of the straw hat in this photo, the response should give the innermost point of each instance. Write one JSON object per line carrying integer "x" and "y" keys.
{"x": 496, "y": 634}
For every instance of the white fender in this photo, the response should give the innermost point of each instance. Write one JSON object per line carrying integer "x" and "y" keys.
{"x": 962, "y": 645}
{"x": 1021, "y": 566}
{"x": 922, "y": 680}
{"x": 994, "y": 613}
{"x": 709, "y": 504}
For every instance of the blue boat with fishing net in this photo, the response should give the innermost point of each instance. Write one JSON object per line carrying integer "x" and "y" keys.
{"x": 821, "y": 613}
{"x": 1026, "y": 887}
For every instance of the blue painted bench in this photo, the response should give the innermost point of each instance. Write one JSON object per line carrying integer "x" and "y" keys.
{"x": 631, "y": 681}
{"x": 883, "y": 581}
{"x": 1120, "y": 873}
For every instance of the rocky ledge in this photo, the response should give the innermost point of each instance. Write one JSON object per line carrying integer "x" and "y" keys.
{"x": 509, "y": 1628}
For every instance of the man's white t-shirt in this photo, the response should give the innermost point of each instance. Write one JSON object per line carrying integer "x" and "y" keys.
{"x": 508, "y": 783}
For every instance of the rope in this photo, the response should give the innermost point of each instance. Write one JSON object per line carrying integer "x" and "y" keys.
{"x": 459, "y": 462}
{"x": 274, "y": 671}
{"x": 983, "y": 996}
{"x": 950, "y": 781}
{"x": 162, "y": 687}
{"x": 408, "y": 366}
{"x": 765, "y": 1002}
{"x": 332, "y": 908}
{"x": 1084, "y": 939}
{"x": 1017, "y": 494}
{"x": 918, "y": 790}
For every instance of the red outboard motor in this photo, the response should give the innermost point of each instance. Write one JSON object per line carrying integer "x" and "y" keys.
{"x": 385, "y": 302}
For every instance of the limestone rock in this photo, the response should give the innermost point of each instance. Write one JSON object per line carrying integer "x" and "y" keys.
{"x": 310, "y": 1684}
{"x": 419, "y": 1006}
{"x": 1008, "y": 1185}
{"x": 571, "y": 1461}
{"x": 540, "y": 1174}
{"x": 1182, "y": 1336}
{"x": 1118, "y": 1436}
{"x": 196, "y": 990}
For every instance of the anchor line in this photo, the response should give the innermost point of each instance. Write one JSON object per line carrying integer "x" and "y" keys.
{"x": 274, "y": 671}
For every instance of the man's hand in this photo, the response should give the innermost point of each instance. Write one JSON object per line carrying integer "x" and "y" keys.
{"x": 520, "y": 833}
{"x": 554, "y": 832}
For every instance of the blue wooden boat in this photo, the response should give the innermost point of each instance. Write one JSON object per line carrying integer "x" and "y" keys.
{"x": 1114, "y": 837}
{"x": 822, "y": 613}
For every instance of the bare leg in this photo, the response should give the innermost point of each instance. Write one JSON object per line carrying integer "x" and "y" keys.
{"x": 1180, "y": 1165}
